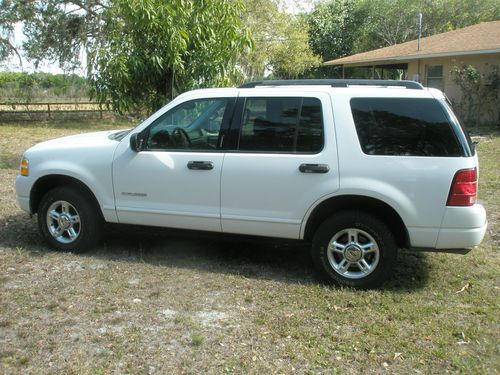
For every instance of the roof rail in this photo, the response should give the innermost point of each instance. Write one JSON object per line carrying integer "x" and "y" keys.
{"x": 335, "y": 83}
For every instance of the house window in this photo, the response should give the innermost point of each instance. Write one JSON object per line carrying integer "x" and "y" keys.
{"x": 435, "y": 77}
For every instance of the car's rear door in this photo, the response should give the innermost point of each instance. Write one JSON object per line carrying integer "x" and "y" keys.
{"x": 284, "y": 160}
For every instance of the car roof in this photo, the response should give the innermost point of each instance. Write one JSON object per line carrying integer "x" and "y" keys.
{"x": 350, "y": 88}
{"x": 336, "y": 83}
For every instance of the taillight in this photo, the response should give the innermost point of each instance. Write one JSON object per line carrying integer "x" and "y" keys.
{"x": 463, "y": 191}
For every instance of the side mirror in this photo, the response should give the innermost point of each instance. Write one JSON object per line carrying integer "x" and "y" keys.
{"x": 137, "y": 143}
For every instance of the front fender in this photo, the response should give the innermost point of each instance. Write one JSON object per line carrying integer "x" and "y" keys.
{"x": 98, "y": 180}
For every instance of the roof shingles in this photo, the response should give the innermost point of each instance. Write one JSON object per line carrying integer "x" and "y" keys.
{"x": 478, "y": 38}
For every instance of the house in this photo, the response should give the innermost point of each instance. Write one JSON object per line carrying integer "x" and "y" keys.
{"x": 432, "y": 60}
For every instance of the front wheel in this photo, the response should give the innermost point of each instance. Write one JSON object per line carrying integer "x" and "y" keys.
{"x": 354, "y": 249}
{"x": 68, "y": 220}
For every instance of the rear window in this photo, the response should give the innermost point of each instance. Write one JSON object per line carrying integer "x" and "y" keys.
{"x": 404, "y": 127}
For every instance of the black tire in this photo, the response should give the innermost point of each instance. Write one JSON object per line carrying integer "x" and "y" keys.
{"x": 353, "y": 232}
{"x": 81, "y": 211}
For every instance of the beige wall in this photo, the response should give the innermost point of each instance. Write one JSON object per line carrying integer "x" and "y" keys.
{"x": 482, "y": 62}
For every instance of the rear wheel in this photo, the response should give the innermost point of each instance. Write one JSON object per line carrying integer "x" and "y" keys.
{"x": 354, "y": 249}
{"x": 68, "y": 219}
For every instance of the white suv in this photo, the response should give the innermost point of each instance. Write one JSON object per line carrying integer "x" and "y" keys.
{"x": 357, "y": 168}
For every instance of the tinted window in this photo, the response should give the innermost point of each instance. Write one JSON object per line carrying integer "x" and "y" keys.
{"x": 463, "y": 134}
{"x": 281, "y": 125}
{"x": 403, "y": 126}
{"x": 310, "y": 136}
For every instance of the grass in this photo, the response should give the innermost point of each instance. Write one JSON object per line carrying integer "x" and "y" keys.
{"x": 196, "y": 340}
{"x": 149, "y": 302}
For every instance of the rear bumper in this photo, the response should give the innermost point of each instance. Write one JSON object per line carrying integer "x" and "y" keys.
{"x": 462, "y": 227}
{"x": 460, "y": 238}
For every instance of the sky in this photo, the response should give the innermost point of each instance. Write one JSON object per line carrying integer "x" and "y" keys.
{"x": 290, "y": 6}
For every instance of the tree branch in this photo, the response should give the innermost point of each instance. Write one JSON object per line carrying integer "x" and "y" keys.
{"x": 81, "y": 5}
{"x": 13, "y": 49}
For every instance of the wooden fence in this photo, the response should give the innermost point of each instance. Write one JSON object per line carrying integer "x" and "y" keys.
{"x": 53, "y": 109}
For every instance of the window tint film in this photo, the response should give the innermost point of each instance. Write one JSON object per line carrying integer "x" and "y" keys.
{"x": 269, "y": 124}
{"x": 310, "y": 135}
{"x": 281, "y": 125}
{"x": 404, "y": 126}
{"x": 191, "y": 125}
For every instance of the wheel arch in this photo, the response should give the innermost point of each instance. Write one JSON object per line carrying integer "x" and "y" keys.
{"x": 46, "y": 183}
{"x": 373, "y": 206}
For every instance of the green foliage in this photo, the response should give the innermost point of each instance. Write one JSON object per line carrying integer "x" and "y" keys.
{"x": 292, "y": 57}
{"x": 155, "y": 49}
{"x": 59, "y": 31}
{"x": 196, "y": 339}
{"x": 333, "y": 28}
{"x": 343, "y": 27}
{"x": 280, "y": 42}
{"x": 42, "y": 80}
{"x": 480, "y": 92}
{"x": 9, "y": 16}
{"x": 261, "y": 19}
{"x": 24, "y": 87}
{"x": 140, "y": 53}
{"x": 389, "y": 22}
{"x": 397, "y": 23}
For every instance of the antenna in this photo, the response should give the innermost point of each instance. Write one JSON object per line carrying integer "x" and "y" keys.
{"x": 419, "y": 30}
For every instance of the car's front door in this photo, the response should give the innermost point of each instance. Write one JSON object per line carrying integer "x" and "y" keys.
{"x": 175, "y": 180}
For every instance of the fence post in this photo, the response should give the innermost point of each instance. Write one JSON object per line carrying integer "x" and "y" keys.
{"x": 48, "y": 109}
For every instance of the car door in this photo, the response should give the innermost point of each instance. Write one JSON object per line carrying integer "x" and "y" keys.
{"x": 175, "y": 180}
{"x": 285, "y": 160}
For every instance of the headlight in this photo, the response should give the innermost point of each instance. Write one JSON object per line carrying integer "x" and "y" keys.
{"x": 25, "y": 167}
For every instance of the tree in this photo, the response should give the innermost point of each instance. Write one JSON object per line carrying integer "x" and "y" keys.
{"x": 480, "y": 92}
{"x": 9, "y": 16}
{"x": 280, "y": 42}
{"x": 389, "y": 22}
{"x": 386, "y": 22}
{"x": 159, "y": 48}
{"x": 292, "y": 57}
{"x": 343, "y": 27}
{"x": 139, "y": 52}
{"x": 333, "y": 28}
{"x": 259, "y": 17}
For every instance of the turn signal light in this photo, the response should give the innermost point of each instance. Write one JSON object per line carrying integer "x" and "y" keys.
{"x": 463, "y": 190}
{"x": 24, "y": 167}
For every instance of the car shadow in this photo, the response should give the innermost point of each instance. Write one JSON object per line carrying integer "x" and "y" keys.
{"x": 285, "y": 261}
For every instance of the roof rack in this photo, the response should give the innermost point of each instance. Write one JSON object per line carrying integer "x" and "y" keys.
{"x": 335, "y": 83}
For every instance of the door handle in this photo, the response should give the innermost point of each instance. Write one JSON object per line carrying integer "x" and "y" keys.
{"x": 200, "y": 165}
{"x": 314, "y": 168}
